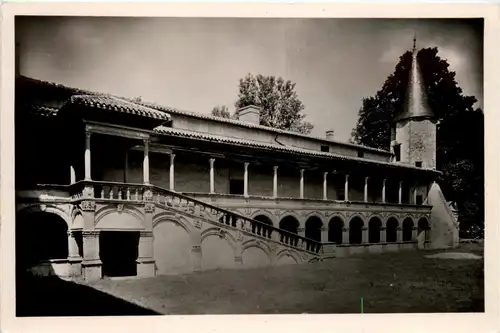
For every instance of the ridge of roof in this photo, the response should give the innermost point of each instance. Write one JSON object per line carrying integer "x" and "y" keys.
{"x": 208, "y": 117}
{"x": 258, "y": 144}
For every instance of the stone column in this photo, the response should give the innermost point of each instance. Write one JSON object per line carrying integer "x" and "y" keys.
{"x": 125, "y": 171}
{"x": 212, "y": 176}
{"x": 145, "y": 163}
{"x": 75, "y": 261}
{"x": 324, "y": 234}
{"x": 414, "y": 233}
{"x": 87, "y": 156}
{"x": 145, "y": 259}
{"x": 364, "y": 235}
{"x": 325, "y": 185}
{"x": 366, "y": 190}
{"x": 172, "y": 179}
{"x": 383, "y": 234}
{"x": 72, "y": 175}
{"x": 399, "y": 234}
{"x": 302, "y": 183}
{"x": 91, "y": 264}
{"x": 275, "y": 182}
{"x": 346, "y": 188}
{"x": 245, "y": 180}
{"x": 400, "y": 194}
{"x": 345, "y": 235}
{"x": 383, "y": 190}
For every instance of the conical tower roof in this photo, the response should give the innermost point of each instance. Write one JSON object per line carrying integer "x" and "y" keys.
{"x": 415, "y": 104}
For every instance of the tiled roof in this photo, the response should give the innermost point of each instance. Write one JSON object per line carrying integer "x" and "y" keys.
{"x": 259, "y": 144}
{"x": 111, "y": 103}
{"x": 210, "y": 117}
{"x": 40, "y": 109}
{"x": 253, "y": 126}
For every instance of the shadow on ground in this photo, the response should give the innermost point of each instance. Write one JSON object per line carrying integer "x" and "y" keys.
{"x": 51, "y": 296}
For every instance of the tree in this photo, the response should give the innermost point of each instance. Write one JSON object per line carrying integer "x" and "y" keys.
{"x": 221, "y": 111}
{"x": 278, "y": 100}
{"x": 460, "y": 129}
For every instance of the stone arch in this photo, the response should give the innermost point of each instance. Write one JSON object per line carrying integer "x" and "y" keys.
{"x": 335, "y": 229}
{"x": 290, "y": 223}
{"x": 41, "y": 239}
{"x": 255, "y": 254}
{"x": 424, "y": 227}
{"x": 78, "y": 222}
{"x": 260, "y": 229}
{"x": 374, "y": 226}
{"x": 172, "y": 245}
{"x": 180, "y": 220}
{"x": 314, "y": 214}
{"x": 391, "y": 229}
{"x": 292, "y": 214}
{"x": 218, "y": 249}
{"x": 356, "y": 225}
{"x": 266, "y": 213}
{"x": 282, "y": 255}
{"x": 49, "y": 208}
{"x": 313, "y": 227}
{"x": 111, "y": 218}
{"x": 407, "y": 229}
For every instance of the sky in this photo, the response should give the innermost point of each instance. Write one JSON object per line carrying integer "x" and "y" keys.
{"x": 195, "y": 64}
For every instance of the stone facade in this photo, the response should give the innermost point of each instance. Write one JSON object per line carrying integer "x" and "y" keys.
{"x": 418, "y": 142}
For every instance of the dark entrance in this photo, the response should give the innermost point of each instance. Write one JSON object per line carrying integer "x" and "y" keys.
{"x": 118, "y": 251}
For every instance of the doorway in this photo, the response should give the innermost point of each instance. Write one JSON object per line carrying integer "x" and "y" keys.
{"x": 118, "y": 251}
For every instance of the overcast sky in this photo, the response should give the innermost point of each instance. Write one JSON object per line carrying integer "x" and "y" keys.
{"x": 195, "y": 64}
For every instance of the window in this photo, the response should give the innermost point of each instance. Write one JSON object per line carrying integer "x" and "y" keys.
{"x": 397, "y": 152}
{"x": 418, "y": 164}
{"x": 419, "y": 199}
{"x": 236, "y": 186}
{"x": 325, "y": 148}
{"x": 361, "y": 154}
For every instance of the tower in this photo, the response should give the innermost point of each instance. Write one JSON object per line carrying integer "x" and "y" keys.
{"x": 413, "y": 134}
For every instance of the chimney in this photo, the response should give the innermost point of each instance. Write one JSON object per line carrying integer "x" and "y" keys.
{"x": 249, "y": 114}
{"x": 330, "y": 134}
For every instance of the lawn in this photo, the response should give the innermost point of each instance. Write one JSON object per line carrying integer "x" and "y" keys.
{"x": 388, "y": 283}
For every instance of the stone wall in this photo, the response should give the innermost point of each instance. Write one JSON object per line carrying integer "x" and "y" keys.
{"x": 418, "y": 142}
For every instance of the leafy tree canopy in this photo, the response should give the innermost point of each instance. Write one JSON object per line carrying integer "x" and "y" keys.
{"x": 221, "y": 111}
{"x": 278, "y": 100}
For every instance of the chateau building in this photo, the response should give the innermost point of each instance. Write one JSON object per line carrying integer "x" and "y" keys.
{"x": 109, "y": 186}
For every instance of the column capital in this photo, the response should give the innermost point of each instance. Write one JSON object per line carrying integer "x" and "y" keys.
{"x": 172, "y": 156}
{"x": 384, "y": 181}
{"x": 325, "y": 173}
{"x": 275, "y": 168}
{"x": 246, "y": 164}
{"x": 88, "y": 134}
{"x": 301, "y": 171}
{"x": 366, "y": 178}
{"x": 400, "y": 183}
{"x": 146, "y": 140}
{"x": 346, "y": 176}
{"x": 211, "y": 160}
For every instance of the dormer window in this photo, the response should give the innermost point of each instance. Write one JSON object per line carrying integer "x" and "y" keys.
{"x": 325, "y": 148}
{"x": 361, "y": 154}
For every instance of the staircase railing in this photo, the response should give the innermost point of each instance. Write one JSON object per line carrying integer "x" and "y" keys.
{"x": 143, "y": 193}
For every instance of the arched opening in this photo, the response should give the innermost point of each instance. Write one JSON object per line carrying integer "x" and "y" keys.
{"x": 41, "y": 238}
{"x": 374, "y": 230}
{"x": 313, "y": 228}
{"x": 290, "y": 224}
{"x": 407, "y": 229}
{"x": 423, "y": 226}
{"x": 335, "y": 230}
{"x": 356, "y": 230}
{"x": 391, "y": 235}
{"x": 262, "y": 230}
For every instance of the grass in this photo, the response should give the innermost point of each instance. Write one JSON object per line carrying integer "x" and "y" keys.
{"x": 403, "y": 282}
